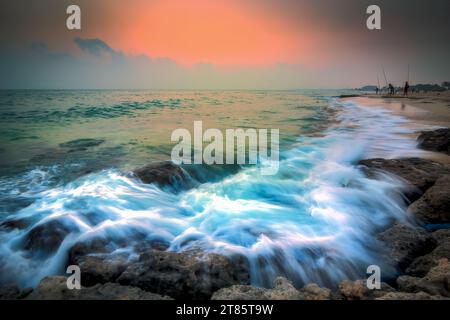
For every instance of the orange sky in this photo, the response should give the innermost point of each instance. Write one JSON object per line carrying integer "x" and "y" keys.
{"x": 218, "y": 32}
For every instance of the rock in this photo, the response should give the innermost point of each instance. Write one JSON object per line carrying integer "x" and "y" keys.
{"x": 164, "y": 174}
{"x": 434, "y": 205}
{"x": 80, "y": 144}
{"x": 421, "y": 265}
{"x": 20, "y": 223}
{"x": 437, "y": 140}
{"x": 358, "y": 290}
{"x": 410, "y": 296}
{"x": 13, "y": 292}
{"x": 313, "y": 292}
{"x": 46, "y": 237}
{"x": 436, "y": 281}
{"x": 419, "y": 174}
{"x": 101, "y": 269}
{"x": 404, "y": 243}
{"x": 282, "y": 290}
{"x": 186, "y": 274}
{"x": 55, "y": 288}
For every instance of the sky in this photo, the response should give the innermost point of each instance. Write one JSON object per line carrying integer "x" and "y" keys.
{"x": 221, "y": 44}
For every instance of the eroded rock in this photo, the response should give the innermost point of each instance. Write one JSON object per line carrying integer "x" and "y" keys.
{"x": 55, "y": 288}
{"x": 437, "y": 140}
{"x": 404, "y": 243}
{"x": 186, "y": 274}
{"x": 434, "y": 205}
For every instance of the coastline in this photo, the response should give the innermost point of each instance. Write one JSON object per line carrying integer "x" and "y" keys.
{"x": 419, "y": 253}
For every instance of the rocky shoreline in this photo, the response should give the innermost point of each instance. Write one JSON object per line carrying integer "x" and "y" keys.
{"x": 420, "y": 250}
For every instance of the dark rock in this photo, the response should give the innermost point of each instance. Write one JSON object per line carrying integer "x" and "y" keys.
{"x": 435, "y": 282}
{"x": 55, "y": 288}
{"x": 421, "y": 265}
{"x": 81, "y": 144}
{"x": 20, "y": 224}
{"x": 434, "y": 205}
{"x": 46, "y": 237}
{"x": 13, "y": 292}
{"x": 404, "y": 243}
{"x": 186, "y": 274}
{"x": 164, "y": 174}
{"x": 437, "y": 140}
{"x": 102, "y": 269}
{"x": 418, "y": 174}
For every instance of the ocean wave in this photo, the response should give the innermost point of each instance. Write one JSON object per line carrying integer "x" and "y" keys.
{"x": 314, "y": 221}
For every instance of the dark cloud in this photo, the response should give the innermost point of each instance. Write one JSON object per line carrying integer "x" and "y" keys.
{"x": 96, "y": 47}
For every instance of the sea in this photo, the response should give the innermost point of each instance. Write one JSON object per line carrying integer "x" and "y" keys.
{"x": 66, "y": 162}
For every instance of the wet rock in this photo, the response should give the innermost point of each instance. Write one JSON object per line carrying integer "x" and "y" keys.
{"x": 404, "y": 243}
{"x": 358, "y": 290}
{"x": 13, "y": 292}
{"x": 418, "y": 174}
{"x": 282, "y": 290}
{"x": 421, "y": 265}
{"x": 185, "y": 275}
{"x": 101, "y": 269}
{"x": 436, "y": 281}
{"x": 55, "y": 288}
{"x": 437, "y": 140}
{"x": 164, "y": 174}
{"x": 20, "y": 223}
{"x": 80, "y": 144}
{"x": 46, "y": 237}
{"x": 434, "y": 205}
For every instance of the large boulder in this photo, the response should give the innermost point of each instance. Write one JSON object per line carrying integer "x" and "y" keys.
{"x": 102, "y": 260}
{"x": 164, "y": 174}
{"x": 421, "y": 265}
{"x": 185, "y": 275}
{"x": 418, "y": 174}
{"x": 55, "y": 288}
{"x": 434, "y": 205}
{"x": 404, "y": 243}
{"x": 46, "y": 237}
{"x": 437, "y": 140}
{"x": 435, "y": 282}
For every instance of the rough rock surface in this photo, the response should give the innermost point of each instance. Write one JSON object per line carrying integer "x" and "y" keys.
{"x": 13, "y": 292}
{"x": 357, "y": 290}
{"x": 434, "y": 205}
{"x": 404, "y": 243}
{"x": 419, "y": 174}
{"x": 164, "y": 174}
{"x": 47, "y": 236}
{"x": 410, "y": 296}
{"x": 435, "y": 282}
{"x": 186, "y": 274}
{"x": 282, "y": 290}
{"x": 55, "y": 288}
{"x": 437, "y": 140}
{"x": 421, "y": 265}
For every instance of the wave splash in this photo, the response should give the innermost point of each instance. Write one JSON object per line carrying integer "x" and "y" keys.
{"x": 312, "y": 222}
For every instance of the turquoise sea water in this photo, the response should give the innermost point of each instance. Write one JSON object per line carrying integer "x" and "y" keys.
{"x": 314, "y": 221}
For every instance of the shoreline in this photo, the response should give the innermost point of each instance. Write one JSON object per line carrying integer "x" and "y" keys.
{"x": 422, "y": 257}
